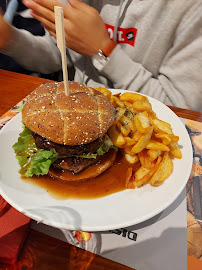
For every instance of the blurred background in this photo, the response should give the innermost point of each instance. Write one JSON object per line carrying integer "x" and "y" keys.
{"x": 19, "y": 16}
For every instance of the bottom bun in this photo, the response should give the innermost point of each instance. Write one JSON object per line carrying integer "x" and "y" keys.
{"x": 105, "y": 162}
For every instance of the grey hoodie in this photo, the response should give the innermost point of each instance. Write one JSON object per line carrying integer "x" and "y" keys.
{"x": 159, "y": 51}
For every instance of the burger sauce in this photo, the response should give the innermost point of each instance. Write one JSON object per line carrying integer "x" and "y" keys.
{"x": 111, "y": 181}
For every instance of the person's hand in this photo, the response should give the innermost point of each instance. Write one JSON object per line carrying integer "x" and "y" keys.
{"x": 5, "y": 32}
{"x": 85, "y": 31}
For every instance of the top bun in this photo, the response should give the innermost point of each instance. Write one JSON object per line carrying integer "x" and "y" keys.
{"x": 79, "y": 118}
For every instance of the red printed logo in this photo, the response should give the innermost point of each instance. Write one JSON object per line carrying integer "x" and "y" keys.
{"x": 124, "y": 35}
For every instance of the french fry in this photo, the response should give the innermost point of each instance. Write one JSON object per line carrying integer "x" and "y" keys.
{"x": 119, "y": 113}
{"x": 155, "y": 145}
{"x": 145, "y": 114}
{"x": 165, "y": 168}
{"x": 154, "y": 154}
{"x": 131, "y": 97}
{"x": 127, "y": 150}
{"x": 140, "y": 105}
{"x": 145, "y": 160}
{"x": 129, "y": 179}
{"x": 116, "y": 102}
{"x": 136, "y": 136}
{"x": 144, "y": 120}
{"x": 129, "y": 106}
{"x": 125, "y": 125}
{"x": 165, "y": 137}
{"x": 124, "y": 129}
{"x": 143, "y": 141}
{"x": 141, "y": 123}
{"x": 141, "y": 173}
{"x": 127, "y": 103}
{"x": 143, "y": 138}
{"x": 129, "y": 113}
{"x": 105, "y": 92}
{"x": 162, "y": 123}
{"x": 127, "y": 122}
{"x": 175, "y": 139}
{"x": 130, "y": 141}
{"x": 161, "y": 126}
{"x": 151, "y": 114}
{"x": 146, "y": 174}
{"x": 137, "y": 125}
{"x": 167, "y": 172}
{"x": 116, "y": 137}
{"x": 175, "y": 151}
{"x": 131, "y": 159}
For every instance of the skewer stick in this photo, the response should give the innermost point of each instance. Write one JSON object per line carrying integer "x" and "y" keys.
{"x": 60, "y": 34}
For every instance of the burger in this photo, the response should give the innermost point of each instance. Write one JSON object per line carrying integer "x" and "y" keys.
{"x": 65, "y": 136}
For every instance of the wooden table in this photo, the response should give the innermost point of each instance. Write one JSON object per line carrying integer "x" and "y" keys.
{"x": 13, "y": 88}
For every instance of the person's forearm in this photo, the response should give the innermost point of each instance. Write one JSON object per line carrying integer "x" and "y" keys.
{"x": 133, "y": 76}
{"x": 35, "y": 53}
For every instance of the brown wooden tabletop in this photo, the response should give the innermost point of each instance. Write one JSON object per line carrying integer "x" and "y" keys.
{"x": 13, "y": 88}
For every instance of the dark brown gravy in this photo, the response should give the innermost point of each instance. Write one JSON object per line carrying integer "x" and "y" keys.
{"x": 111, "y": 181}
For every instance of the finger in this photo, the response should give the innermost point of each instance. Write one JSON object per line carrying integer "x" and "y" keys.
{"x": 49, "y": 4}
{"x": 45, "y": 7}
{"x": 78, "y": 4}
{"x": 52, "y": 32}
{"x": 45, "y": 12}
{"x": 43, "y": 20}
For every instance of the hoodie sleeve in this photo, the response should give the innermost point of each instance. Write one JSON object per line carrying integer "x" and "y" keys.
{"x": 179, "y": 82}
{"x": 35, "y": 53}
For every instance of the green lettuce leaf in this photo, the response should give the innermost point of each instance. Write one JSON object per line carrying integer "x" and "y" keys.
{"x": 33, "y": 161}
{"x": 41, "y": 162}
{"x": 24, "y": 141}
{"x": 21, "y": 107}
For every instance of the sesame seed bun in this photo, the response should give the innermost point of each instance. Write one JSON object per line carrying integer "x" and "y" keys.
{"x": 79, "y": 118}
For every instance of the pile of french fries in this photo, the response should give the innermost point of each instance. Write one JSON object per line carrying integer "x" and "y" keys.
{"x": 142, "y": 138}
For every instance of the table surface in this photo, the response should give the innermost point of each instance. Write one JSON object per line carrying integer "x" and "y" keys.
{"x": 15, "y": 87}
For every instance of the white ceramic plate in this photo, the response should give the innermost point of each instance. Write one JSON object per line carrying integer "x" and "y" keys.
{"x": 118, "y": 210}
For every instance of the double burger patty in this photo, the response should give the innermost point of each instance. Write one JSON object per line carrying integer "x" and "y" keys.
{"x": 68, "y": 150}
{"x": 75, "y": 164}
{"x": 70, "y": 162}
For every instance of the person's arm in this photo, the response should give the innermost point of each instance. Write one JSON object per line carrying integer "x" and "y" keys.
{"x": 179, "y": 82}
{"x": 35, "y": 53}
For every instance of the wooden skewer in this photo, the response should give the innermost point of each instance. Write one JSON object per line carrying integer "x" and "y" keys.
{"x": 60, "y": 34}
